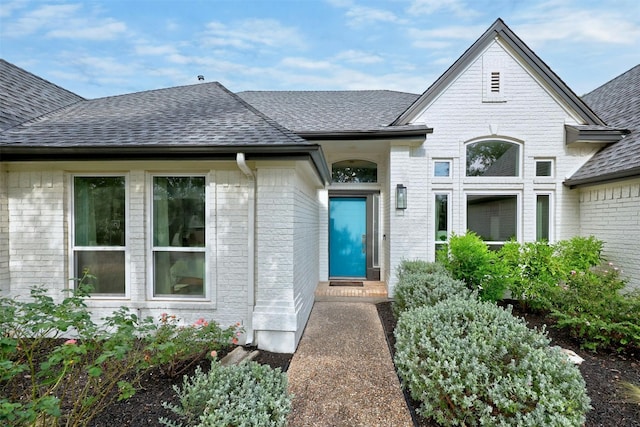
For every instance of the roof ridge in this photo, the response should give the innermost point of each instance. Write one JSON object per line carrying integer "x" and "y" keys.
{"x": 41, "y": 79}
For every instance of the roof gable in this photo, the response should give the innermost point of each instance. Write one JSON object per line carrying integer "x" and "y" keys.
{"x": 501, "y": 31}
{"x": 24, "y": 96}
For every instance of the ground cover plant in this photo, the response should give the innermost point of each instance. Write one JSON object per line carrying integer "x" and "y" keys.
{"x": 244, "y": 395}
{"x": 471, "y": 362}
{"x": 59, "y": 367}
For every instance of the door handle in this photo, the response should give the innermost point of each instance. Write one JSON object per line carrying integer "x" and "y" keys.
{"x": 364, "y": 243}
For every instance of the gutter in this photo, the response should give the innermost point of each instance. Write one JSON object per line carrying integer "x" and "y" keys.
{"x": 251, "y": 239}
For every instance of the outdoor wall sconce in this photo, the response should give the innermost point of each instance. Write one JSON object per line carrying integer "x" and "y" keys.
{"x": 401, "y": 197}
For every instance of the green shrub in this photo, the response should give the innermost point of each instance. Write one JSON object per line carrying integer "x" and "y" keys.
{"x": 469, "y": 259}
{"x": 419, "y": 266}
{"x": 472, "y": 363}
{"x": 418, "y": 289}
{"x": 532, "y": 271}
{"x": 248, "y": 394}
{"x": 579, "y": 253}
{"x": 594, "y": 308}
{"x": 70, "y": 381}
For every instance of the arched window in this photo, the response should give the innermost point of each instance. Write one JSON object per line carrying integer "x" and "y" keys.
{"x": 354, "y": 171}
{"x": 493, "y": 158}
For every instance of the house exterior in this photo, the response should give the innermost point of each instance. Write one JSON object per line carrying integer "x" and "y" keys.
{"x": 608, "y": 184}
{"x": 200, "y": 202}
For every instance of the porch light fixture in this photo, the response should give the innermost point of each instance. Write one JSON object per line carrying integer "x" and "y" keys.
{"x": 401, "y": 197}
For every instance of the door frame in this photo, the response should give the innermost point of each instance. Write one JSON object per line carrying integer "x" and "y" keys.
{"x": 372, "y": 272}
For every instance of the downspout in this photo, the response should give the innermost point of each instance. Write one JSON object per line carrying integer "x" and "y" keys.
{"x": 251, "y": 239}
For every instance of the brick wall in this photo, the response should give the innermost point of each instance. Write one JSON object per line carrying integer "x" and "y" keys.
{"x": 4, "y": 233}
{"x": 612, "y": 214}
{"x": 527, "y": 114}
{"x": 37, "y": 215}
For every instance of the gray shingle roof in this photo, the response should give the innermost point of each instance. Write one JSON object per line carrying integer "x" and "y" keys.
{"x": 618, "y": 104}
{"x": 24, "y": 96}
{"x": 331, "y": 111}
{"x": 204, "y": 114}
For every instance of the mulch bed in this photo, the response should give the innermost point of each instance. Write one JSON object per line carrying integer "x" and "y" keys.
{"x": 603, "y": 373}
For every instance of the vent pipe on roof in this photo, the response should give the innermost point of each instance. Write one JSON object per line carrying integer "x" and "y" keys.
{"x": 200, "y": 77}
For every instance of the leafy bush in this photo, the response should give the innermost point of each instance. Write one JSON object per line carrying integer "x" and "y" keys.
{"x": 579, "y": 253}
{"x": 419, "y": 266}
{"x": 418, "y": 289}
{"x": 175, "y": 348}
{"x": 469, "y": 259}
{"x": 48, "y": 378}
{"x": 472, "y": 363}
{"x": 595, "y": 310}
{"x": 83, "y": 375}
{"x": 248, "y": 394}
{"x": 533, "y": 271}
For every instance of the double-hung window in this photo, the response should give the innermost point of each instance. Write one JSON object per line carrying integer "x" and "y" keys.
{"x": 99, "y": 238}
{"x": 179, "y": 236}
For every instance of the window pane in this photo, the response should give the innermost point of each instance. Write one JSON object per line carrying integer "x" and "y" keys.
{"x": 442, "y": 225}
{"x": 441, "y": 169}
{"x": 179, "y": 211}
{"x": 179, "y": 273}
{"x": 542, "y": 217}
{"x": 543, "y": 168}
{"x": 106, "y": 266}
{"x": 493, "y": 217}
{"x": 99, "y": 211}
{"x": 354, "y": 171}
{"x": 493, "y": 158}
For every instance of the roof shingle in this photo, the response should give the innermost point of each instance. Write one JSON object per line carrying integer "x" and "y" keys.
{"x": 24, "y": 96}
{"x": 618, "y": 104}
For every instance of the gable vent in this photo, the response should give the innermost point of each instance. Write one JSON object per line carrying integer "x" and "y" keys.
{"x": 495, "y": 82}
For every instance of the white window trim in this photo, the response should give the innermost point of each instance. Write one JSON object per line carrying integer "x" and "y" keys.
{"x": 544, "y": 159}
{"x": 449, "y": 195}
{"x": 501, "y": 179}
{"x": 518, "y": 195}
{"x": 551, "y": 214}
{"x": 433, "y": 165}
{"x": 209, "y": 284}
{"x": 72, "y": 238}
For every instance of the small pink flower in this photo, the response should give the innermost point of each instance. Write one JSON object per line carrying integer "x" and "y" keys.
{"x": 214, "y": 354}
{"x": 234, "y": 341}
{"x": 573, "y": 272}
{"x": 70, "y": 342}
{"x": 199, "y": 322}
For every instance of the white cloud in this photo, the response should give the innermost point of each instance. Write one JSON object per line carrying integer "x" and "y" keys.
{"x": 48, "y": 16}
{"x": 308, "y": 64}
{"x": 445, "y": 37}
{"x": 358, "y": 57}
{"x": 361, "y": 16}
{"x": 250, "y": 33}
{"x": 107, "y": 29}
{"x": 430, "y": 7}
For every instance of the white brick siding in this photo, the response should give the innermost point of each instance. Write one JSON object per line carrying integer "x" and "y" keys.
{"x": 38, "y": 216}
{"x": 529, "y": 115}
{"x": 611, "y": 213}
{"x": 4, "y": 233}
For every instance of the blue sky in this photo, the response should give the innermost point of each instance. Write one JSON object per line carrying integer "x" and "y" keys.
{"x": 109, "y": 47}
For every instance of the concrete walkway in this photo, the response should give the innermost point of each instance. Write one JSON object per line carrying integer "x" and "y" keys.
{"x": 342, "y": 373}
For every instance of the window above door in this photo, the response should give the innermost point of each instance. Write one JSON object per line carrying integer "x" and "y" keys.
{"x": 354, "y": 171}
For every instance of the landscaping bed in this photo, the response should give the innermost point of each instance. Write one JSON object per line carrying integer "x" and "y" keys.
{"x": 145, "y": 407}
{"x": 603, "y": 373}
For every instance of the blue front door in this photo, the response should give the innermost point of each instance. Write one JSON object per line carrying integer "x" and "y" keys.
{"x": 347, "y": 237}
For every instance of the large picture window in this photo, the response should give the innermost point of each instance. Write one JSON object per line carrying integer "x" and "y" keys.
{"x": 493, "y": 217}
{"x": 493, "y": 158}
{"x": 179, "y": 236}
{"x": 99, "y": 232}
